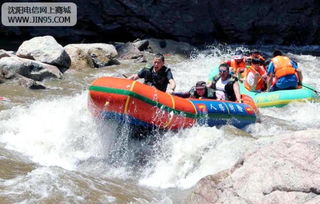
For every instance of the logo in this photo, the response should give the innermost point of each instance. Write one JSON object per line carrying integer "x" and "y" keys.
{"x": 39, "y": 14}
{"x": 202, "y": 108}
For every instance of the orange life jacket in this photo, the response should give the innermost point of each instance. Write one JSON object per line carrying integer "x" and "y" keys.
{"x": 235, "y": 66}
{"x": 260, "y": 84}
{"x": 282, "y": 66}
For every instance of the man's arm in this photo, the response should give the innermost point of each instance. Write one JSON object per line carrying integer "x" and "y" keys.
{"x": 270, "y": 73}
{"x": 236, "y": 90}
{"x": 140, "y": 74}
{"x": 172, "y": 85}
{"x": 299, "y": 73}
{"x": 134, "y": 77}
{"x": 269, "y": 82}
{"x": 182, "y": 94}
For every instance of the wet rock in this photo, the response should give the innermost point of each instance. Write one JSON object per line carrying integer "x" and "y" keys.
{"x": 29, "y": 83}
{"x": 141, "y": 59}
{"x": 141, "y": 44}
{"x": 4, "y": 53}
{"x": 45, "y": 49}
{"x": 80, "y": 59}
{"x": 10, "y": 66}
{"x": 129, "y": 51}
{"x": 285, "y": 171}
{"x": 84, "y": 56}
{"x": 170, "y": 47}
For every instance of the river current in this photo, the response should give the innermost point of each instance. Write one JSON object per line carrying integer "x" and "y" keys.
{"x": 52, "y": 150}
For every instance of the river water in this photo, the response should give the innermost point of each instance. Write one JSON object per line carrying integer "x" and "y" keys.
{"x": 52, "y": 150}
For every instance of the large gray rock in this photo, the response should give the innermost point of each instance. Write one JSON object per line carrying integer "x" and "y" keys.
{"x": 129, "y": 51}
{"x": 169, "y": 47}
{"x": 29, "y": 83}
{"x": 85, "y": 56}
{"x": 286, "y": 171}
{"x": 45, "y": 49}
{"x": 10, "y": 66}
{"x": 141, "y": 44}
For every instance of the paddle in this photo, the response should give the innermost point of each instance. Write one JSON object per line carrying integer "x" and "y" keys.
{"x": 125, "y": 76}
{"x": 317, "y": 92}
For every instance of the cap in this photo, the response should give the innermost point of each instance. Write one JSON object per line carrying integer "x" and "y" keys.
{"x": 200, "y": 84}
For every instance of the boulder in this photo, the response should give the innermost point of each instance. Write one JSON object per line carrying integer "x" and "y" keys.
{"x": 92, "y": 55}
{"x": 141, "y": 44}
{"x": 29, "y": 83}
{"x": 286, "y": 171}
{"x": 170, "y": 47}
{"x": 10, "y": 66}
{"x": 4, "y": 53}
{"x": 45, "y": 49}
{"x": 80, "y": 59}
{"x": 129, "y": 51}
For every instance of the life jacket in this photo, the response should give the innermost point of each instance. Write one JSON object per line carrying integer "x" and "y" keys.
{"x": 159, "y": 80}
{"x": 282, "y": 66}
{"x": 260, "y": 84}
{"x": 210, "y": 94}
{"x": 228, "y": 89}
{"x": 237, "y": 66}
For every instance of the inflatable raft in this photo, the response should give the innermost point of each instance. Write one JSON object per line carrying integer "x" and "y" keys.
{"x": 135, "y": 103}
{"x": 277, "y": 98}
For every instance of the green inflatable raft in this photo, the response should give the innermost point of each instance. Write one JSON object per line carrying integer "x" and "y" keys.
{"x": 277, "y": 98}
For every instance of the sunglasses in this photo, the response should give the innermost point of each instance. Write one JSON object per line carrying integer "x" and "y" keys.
{"x": 223, "y": 71}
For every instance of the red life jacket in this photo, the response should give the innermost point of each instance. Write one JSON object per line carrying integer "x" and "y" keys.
{"x": 282, "y": 66}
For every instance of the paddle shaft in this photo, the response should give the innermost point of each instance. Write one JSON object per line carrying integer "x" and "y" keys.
{"x": 317, "y": 92}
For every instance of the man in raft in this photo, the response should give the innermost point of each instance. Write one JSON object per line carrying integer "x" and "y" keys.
{"x": 237, "y": 63}
{"x": 225, "y": 85}
{"x": 200, "y": 91}
{"x": 283, "y": 73}
{"x": 157, "y": 75}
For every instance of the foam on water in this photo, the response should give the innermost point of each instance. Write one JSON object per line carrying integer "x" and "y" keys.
{"x": 53, "y": 132}
{"x": 192, "y": 154}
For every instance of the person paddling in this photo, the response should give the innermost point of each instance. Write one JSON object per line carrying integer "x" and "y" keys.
{"x": 157, "y": 75}
{"x": 200, "y": 91}
{"x": 283, "y": 73}
{"x": 225, "y": 85}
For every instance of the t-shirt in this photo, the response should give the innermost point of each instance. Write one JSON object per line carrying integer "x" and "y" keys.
{"x": 158, "y": 79}
{"x": 220, "y": 91}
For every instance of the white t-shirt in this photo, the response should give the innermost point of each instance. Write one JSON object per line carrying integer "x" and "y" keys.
{"x": 220, "y": 89}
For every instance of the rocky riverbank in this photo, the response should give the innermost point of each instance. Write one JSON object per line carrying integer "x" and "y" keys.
{"x": 42, "y": 58}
